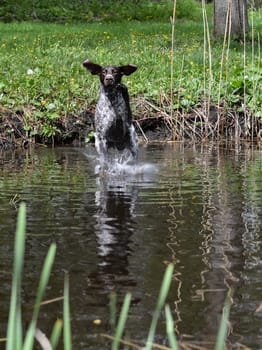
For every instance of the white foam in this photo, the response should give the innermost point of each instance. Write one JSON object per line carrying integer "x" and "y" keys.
{"x": 120, "y": 164}
{"x": 120, "y": 167}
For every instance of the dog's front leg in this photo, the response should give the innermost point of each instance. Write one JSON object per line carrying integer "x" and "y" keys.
{"x": 133, "y": 142}
{"x": 101, "y": 145}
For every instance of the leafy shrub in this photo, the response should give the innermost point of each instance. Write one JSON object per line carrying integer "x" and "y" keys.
{"x": 189, "y": 9}
{"x": 94, "y": 10}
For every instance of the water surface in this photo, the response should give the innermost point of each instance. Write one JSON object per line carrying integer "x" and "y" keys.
{"x": 198, "y": 207}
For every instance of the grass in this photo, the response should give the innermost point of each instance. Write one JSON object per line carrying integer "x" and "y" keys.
{"x": 16, "y": 340}
{"x": 41, "y": 73}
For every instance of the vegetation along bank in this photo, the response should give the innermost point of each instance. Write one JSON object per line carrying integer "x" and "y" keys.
{"x": 188, "y": 85}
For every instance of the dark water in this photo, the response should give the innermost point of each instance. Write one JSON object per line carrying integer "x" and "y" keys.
{"x": 199, "y": 207}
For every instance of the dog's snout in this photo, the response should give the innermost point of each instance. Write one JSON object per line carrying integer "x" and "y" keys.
{"x": 109, "y": 79}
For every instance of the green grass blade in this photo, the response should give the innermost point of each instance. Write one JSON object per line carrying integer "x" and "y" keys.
{"x": 121, "y": 321}
{"x": 56, "y": 333}
{"x": 222, "y": 333}
{"x": 67, "y": 324}
{"x": 46, "y": 270}
{"x": 160, "y": 303}
{"x": 44, "y": 278}
{"x": 14, "y": 328}
{"x": 170, "y": 329}
{"x": 29, "y": 338}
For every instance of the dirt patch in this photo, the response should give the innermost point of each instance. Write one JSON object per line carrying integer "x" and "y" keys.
{"x": 70, "y": 129}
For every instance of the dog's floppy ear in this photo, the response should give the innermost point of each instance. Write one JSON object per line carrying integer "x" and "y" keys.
{"x": 92, "y": 67}
{"x": 129, "y": 69}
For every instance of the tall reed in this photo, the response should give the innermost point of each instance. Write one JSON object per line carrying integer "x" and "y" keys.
{"x": 174, "y": 123}
{"x": 174, "y": 344}
{"x": 15, "y": 338}
{"x": 207, "y": 47}
{"x": 14, "y": 328}
{"x": 224, "y": 57}
{"x": 121, "y": 323}
{"x": 160, "y": 303}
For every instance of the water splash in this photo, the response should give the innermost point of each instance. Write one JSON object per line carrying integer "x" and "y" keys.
{"x": 123, "y": 163}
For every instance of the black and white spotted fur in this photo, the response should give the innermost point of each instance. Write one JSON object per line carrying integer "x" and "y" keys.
{"x": 113, "y": 118}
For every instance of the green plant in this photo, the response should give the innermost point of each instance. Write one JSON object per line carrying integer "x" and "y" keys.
{"x": 173, "y": 342}
{"x": 15, "y": 338}
{"x": 90, "y": 136}
{"x": 81, "y": 11}
{"x": 160, "y": 303}
{"x": 188, "y": 9}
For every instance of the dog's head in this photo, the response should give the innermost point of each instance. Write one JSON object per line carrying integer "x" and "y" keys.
{"x": 110, "y": 76}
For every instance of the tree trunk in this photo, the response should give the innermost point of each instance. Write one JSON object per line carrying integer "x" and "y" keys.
{"x": 230, "y": 16}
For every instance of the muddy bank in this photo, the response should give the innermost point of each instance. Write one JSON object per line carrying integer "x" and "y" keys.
{"x": 16, "y": 132}
{"x": 152, "y": 122}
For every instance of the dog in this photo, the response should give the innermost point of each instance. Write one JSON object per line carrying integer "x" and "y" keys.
{"x": 113, "y": 117}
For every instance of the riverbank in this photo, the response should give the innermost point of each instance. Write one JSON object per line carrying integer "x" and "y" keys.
{"x": 151, "y": 122}
{"x": 46, "y": 96}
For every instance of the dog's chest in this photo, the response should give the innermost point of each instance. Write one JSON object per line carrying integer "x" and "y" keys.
{"x": 111, "y": 109}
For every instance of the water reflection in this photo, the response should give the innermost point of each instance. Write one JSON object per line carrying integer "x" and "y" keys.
{"x": 218, "y": 212}
{"x": 222, "y": 248}
{"x": 115, "y": 199}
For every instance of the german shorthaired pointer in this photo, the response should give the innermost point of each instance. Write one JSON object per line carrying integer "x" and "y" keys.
{"x": 113, "y": 118}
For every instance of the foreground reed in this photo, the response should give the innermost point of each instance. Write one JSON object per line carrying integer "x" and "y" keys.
{"x": 174, "y": 344}
{"x": 16, "y": 340}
